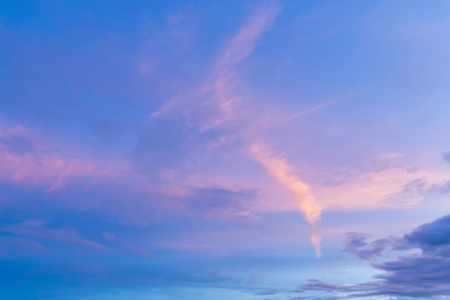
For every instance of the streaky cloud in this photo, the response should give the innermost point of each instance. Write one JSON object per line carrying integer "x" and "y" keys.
{"x": 307, "y": 203}
{"x": 229, "y": 104}
{"x": 39, "y": 230}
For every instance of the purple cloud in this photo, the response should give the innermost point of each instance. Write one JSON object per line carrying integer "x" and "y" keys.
{"x": 356, "y": 243}
{"x": 422, "y": 275}
{"x": 268, "y": 292}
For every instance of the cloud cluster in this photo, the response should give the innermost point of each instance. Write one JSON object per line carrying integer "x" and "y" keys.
{"x": 419, "y": 269}
{"x": 222, "y": 111}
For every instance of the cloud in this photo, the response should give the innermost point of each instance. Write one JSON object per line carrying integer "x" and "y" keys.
{"x": 382, "y": 181}
{"x": 219, "y": 98}
{"x": 446, "y": 156}
{"x": 268, "y": 292}
{"x": 244, "y": 41}
{"x": 127, "y": 244}
{"x": 222, "y": 107}
{"x": 432, "y": 238}
{"x": 315, "y": 298}
{"x": 307, "y": 203}
{"x": 29, "y": 159}
{"x": 170, "y": 148}
{"x": 440, "y": 188}
{"x": 413, "y": 275}
{"x": 356, "y": 243}
{"x": 191, "y": 247}
{"x": 238, "y": 48}
{"x": 258, "y": 278}
{"x": 217, "y": 202}
{"x": 38, "y": 230}
{"x": 205, "y": 203}
{"x": 15, "y": 243}
{"x": 75, "y": 180}
{"x": 16, "y": 143}
{"x": 313, "y": 109}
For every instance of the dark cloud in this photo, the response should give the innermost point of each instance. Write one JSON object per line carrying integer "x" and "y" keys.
{"x": 433, "y": 238}
{"x": 413, "y": 275}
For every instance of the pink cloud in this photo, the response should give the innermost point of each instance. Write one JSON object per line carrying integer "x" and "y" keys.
{"x": 227, "y": 102}
{"x": 244, "y": 41}
{"x": 219, "y": 95}
{"x": 307, "y": 203}
{"x": 39, "y": 165}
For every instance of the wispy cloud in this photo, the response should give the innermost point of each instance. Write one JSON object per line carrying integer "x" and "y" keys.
{"x": 27, "y": 158}
{"x": 221, "y": 94}
{"x": 230, "y": 104}
{"x": 244, "y": 41}
{"x": 238, "y": 48}
{"x": 307, "y": 203}
{"x": 309, "y": 111}
{"x": 39, "y": 230}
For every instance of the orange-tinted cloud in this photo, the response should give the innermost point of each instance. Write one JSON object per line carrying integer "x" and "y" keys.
{"x": 283, "y": 173}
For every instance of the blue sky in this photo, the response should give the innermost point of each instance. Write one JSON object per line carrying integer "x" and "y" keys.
{"x": 224, "y": 150}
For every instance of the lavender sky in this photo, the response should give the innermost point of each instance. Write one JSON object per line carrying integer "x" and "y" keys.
{"x": 291, "y": 150}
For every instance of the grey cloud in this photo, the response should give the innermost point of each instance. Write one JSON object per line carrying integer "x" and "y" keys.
{"x": 356, "y": 243}
{"x": 433, "y": 238}
{"x": 268, "y": 292}
{"x": 421, "y": 275}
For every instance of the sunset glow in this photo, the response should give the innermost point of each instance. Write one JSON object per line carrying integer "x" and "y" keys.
{"x": 282, "y": 150}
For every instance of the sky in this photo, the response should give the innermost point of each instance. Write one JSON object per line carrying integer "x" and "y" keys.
{"x": 282, "y": 150}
